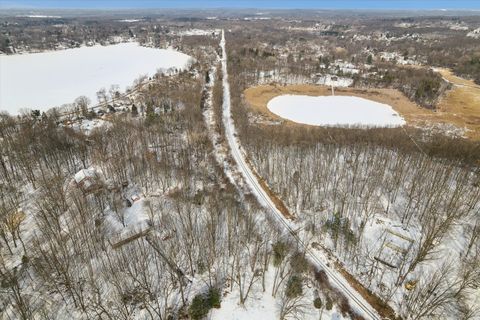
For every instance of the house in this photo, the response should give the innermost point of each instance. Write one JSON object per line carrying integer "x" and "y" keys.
{"x": 86, "y": 179}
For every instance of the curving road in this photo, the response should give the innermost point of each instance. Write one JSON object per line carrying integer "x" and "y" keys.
{"x": 356, "y": 300}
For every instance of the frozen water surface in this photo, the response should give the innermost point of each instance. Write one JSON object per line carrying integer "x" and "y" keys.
{"x": 335, "y": 111}
{"x": 50, "y": 79}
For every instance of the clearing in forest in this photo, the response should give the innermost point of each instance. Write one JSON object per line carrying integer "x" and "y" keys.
{"x": 446, "y": 118}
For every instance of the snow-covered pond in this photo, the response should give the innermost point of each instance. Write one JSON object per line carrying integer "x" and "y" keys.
{"x": 49, "y": 79}
{"x": 335, "y": 111}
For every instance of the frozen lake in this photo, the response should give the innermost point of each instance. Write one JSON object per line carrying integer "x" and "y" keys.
{"x": 335, "y": 111}
{"x": 50, "y": 79}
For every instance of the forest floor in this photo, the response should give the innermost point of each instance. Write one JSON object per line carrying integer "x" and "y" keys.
{"x": 356, "y": 302}
{"x": 457, "y": 112}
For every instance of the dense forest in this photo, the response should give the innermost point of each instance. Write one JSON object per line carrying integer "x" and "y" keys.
{"x": 145, "y": 216}
{"x": 136, "y": 218}
{"x": 361, "y": 192}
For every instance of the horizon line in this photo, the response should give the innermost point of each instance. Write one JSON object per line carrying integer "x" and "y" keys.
{"x": 238, "y": 8}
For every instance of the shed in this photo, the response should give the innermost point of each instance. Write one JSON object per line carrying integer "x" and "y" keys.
{"x": 86, "y": 179}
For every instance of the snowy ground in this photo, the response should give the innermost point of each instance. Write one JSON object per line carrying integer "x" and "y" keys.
{"x": 130, "y": 20}
{"x": 48, "y": 79}
{"x": 335, "y": 111}
{"x": 262, "y": 305}
{"x": 358, "y": 304}
{"x": 199, "y": 32}
{"x": 87, "y": 126}
{"x": 39, "y": 16}
{"x": 329, "y": 80}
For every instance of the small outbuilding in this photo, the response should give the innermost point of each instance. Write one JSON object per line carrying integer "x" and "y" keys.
{"x": 86, "y": 179}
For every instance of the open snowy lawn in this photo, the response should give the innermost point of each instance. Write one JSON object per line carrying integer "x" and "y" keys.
{"x": 335, "y": 111}
{"x": 49, "y": 79}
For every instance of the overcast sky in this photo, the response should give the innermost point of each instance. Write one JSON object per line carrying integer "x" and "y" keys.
{"x": 325, "y": 4}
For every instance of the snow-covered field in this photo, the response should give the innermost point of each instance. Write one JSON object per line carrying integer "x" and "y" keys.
{"x": 130, "y": 20}
{"x": 49, "y": 79}
{"x": 40, "y": 16}
{"x": 335, "y": 111}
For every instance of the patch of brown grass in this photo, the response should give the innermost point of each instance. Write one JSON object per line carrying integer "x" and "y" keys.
{"x": 460, "y": 106}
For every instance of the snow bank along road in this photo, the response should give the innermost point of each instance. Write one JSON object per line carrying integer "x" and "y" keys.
{"x": 356, "y": 300}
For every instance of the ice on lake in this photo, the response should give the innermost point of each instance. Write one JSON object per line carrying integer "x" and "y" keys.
{"x": 335, "y": 111}
{"x": 53, "y": 78}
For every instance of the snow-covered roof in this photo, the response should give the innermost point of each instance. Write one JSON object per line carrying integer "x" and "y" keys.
{"x": 474, "y": 34}
{"x": 83, "y": 174}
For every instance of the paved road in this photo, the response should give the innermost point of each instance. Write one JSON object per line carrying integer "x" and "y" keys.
{"x": 356, "y": 300}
